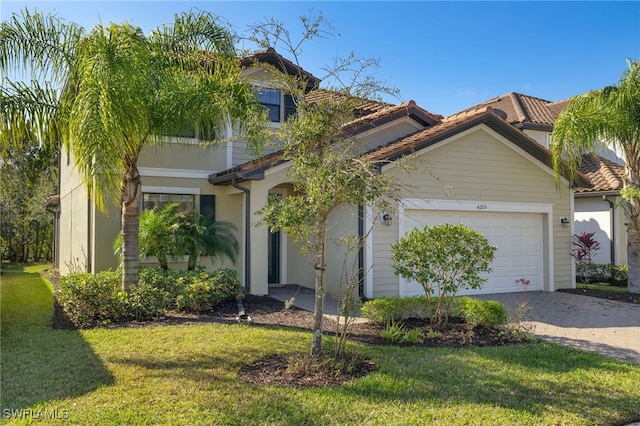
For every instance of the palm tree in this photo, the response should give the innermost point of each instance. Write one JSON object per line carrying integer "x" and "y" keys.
{"x": 198, "y": 235}
{"x": 156, "y": 233}
{"x": 612, "y": 115}
{"x": 109, "y": 93}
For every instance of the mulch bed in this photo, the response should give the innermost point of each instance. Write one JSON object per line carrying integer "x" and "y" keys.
{"x": 293, "y": 371}
{"x": 625, "y": 297}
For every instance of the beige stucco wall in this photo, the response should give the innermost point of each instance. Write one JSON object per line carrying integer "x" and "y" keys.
{"x": 592, "y": 214}
{"x": 480, "y": 165}
{"x": 73, "y": 247}
{"x": 188, "y": 156}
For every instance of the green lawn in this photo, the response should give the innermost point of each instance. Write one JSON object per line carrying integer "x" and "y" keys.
{"x": 186, "y": 374}
{"x": 611, "y": 288}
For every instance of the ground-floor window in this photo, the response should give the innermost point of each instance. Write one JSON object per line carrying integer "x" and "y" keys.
{"x": 186, "y": 202}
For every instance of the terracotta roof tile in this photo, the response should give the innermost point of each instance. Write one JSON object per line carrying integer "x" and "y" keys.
{"x": 523, "y": 109}
{"x": 603, "y": 174}
{"x": 270, "y": 56}
{"x": 365, "y": 107}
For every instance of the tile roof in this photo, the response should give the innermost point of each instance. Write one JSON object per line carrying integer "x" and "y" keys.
{"x": 523, "y": 110}
{"x": 365, "y": 107}
{"x": 603, "y": 174}
{"x": 270, "y": 56}
{"x": 461, "y": 122}
{"x": 254, "y": 169}
{"x": 422, "y": 138}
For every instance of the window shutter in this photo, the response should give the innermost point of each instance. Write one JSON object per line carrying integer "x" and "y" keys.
{"x": 208, "y": 207}
{"x": 289, "y": 106}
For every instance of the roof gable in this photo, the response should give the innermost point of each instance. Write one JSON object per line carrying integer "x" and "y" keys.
{"x": 523, "y": 111}
{"x": 273, "y": 58}
{"x": 457, "y": 124}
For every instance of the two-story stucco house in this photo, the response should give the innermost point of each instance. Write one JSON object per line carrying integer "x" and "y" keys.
{"x": 478, "y": 167}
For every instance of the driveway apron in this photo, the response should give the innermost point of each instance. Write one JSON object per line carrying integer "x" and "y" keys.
{"x": 597, "y": 325}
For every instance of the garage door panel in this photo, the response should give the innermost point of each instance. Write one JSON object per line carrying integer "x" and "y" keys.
{"x": 517, "y": 236}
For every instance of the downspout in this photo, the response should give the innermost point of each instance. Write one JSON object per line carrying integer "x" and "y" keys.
{"x": 247, "y": 235}
{"x": 612, "y": 229}
{"x": 361, "y": 252}
{"x": 89, "y": 248}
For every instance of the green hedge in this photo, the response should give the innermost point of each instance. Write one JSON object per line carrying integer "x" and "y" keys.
{"x": 489, "y": 313}
{"x": 386, "y": 310}
{"x": 92, "y": 299}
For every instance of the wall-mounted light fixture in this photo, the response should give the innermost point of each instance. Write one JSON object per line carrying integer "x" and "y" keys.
{"x": 564, "y": 222}
{"x": 386, "y": 219}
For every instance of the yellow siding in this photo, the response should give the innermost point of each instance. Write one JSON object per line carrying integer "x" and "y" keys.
{"x": 478, "y": 166}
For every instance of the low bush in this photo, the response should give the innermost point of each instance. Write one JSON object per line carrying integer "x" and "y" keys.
{"x": 388, "y": 310}
{"x": 587, "y": 272}
{"x": 93, "y": 299}
{"x": 202, "y": 291}
{"x": 90, "y": 299}
{"x": 488, "y": 313}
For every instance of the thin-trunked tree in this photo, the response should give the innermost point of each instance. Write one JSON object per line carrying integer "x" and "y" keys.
{"x": 109, "y": 93}
{"x": 325, "y": 162}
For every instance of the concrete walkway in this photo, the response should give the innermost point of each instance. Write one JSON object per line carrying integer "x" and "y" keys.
{"x": 596, "y": 325}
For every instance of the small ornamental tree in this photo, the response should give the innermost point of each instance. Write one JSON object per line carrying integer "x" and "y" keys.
{"x": 585, "y": 247}
{"x": 443, "y": 259}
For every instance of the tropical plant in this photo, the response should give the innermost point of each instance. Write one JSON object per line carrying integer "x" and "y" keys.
{"x": 109, "y": 93}
{"x": 586, "y": 246}
{"x": 156, "y": 233}
{"x": 198, "y": 235}
{"x": 443, "y": 259}
{"x": 610, "y": 115}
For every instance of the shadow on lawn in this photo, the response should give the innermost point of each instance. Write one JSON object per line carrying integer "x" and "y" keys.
{"x": 533, "y": 378}
{"x": 40, "y": 364}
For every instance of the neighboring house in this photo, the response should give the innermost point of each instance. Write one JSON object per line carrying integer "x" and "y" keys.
{"x": 597, "y": 206}
{"x": 477, "y": 167}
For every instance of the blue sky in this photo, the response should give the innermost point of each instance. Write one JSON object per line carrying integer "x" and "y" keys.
{"x": 446, "y": 56}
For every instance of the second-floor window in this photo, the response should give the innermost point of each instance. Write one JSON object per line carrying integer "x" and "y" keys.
{"x": 279, "y": 106}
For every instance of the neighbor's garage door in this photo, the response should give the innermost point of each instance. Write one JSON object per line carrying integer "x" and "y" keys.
{"x": 518, "y": 237}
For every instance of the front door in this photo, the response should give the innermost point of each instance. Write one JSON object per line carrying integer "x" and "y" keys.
{"x": 274, "y": 257}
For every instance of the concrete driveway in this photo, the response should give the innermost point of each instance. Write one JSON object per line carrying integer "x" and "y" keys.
{"x": 596, "y": 325}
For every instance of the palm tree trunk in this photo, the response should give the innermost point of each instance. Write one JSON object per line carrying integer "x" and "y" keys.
{"x": 318, "y": 310}
{"x": 633, "y": 246}
{"x": 632, "y": 213}
{"x": 130, "y": 227}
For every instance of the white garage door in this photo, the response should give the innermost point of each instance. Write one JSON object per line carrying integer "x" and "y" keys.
{"x": 518, "y": 237}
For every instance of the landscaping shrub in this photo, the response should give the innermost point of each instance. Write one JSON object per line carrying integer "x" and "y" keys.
{"x": 395, "y": 332}
{"x": 602, "y": 272}
{"x": 93, "y": 299}
{"x": 204, "y": 291}
{"x": 88, "y": 299}
{"x": 488, "y": 313}
{"x": 388, "y": 309}
{"x": 443, "y": 259}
